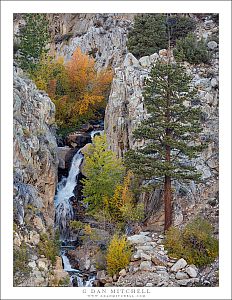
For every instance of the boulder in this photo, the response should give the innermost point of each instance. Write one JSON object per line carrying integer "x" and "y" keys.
{"x": 145, "y": 61}
{"x": 92, "y": 269}
{"x": 78, "y": 139}
{"x": 32, "y": 264}
{"x": 87, "y": 127}
{"x": 146, "y": 265}
{"x": 108, "y": 284}
{"x": 180, "y": 264}
{"x": 122, "y": 273}
{"x": 154, "y": 57}
{"x": 85, "y": 148}
{"x": 130, "y": 60}
{"x": 159, "y": 260}
{"x": 191, "y": 271}
{"x": 38, "y": 223}
{"x": 212, "y": 45}
{"x": 145, "y": 232}
{"x": 136, "y": 256}
{"x": 163, "y": 52}
{"x": 181, "y": 275}
{"x": 87, "y": 264}
{"x": 139, "y": 239}
{"x": 38, "y": 279}
{"x": 149, "y": 284}
{"x": 34, "y": 237}
{"x": 101, "y": 276}
{"x": 17, "y": 240}
{"x": 109, "y": 279}
{"x": 145, "y": 256}
{"x": 42, "y": 264}
{"x": 145, "y": 248}
{"x": 190, "y": 281}
{"x": 214, "y": 82}
{"x": 62, "y": 153}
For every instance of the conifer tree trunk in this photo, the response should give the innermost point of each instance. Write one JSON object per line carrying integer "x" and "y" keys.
{"x": 167, "y": 202}
{"x": 167, "y": 190}
{"x": 167, "y": 178}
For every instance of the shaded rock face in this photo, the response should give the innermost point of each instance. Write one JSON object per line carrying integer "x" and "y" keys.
{"x": 125, "y": 110}
{"x": 78, "y": 139}
{"x": 101, "y": 35}
{"x": 35, "y": 166}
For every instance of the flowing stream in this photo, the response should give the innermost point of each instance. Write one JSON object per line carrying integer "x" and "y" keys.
{"x": 65, "y": 188}
{"x": 64, "y": 214}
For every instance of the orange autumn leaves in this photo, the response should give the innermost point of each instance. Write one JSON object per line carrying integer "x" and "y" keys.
{"x": 77, "y": 89}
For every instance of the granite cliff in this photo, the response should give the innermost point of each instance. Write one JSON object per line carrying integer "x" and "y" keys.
{"x": 35, "y": 179}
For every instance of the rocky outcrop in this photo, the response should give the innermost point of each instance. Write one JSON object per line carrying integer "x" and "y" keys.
{"x": 151, "y": 266}
{"x": 101, "y": 35}
{"x": 35, "y": 178}
{"x": 125, "y": 109}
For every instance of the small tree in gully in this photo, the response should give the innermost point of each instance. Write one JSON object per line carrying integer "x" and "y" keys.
{"x": 170, "y": 132}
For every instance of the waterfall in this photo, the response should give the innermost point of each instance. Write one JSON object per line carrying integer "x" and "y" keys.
{"x": 67, "y": 265}
{"x": 64, "y": 213}
{"x": 65, "y": 188}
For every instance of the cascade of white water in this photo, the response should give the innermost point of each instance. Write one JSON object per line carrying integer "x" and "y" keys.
{"x": 65, "y": 188}
{"x": 67, "y": 265}
{"x": 64, "y": 213}
{"x": 96, "y": 132}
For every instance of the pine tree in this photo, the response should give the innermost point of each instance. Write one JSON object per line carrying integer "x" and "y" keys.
{"x": 170, "y": 132}
{"x": 34, "y": 37}
{"x": 150, "y": 32}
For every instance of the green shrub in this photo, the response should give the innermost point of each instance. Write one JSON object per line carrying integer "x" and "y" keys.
{"x": 180, "y": 26}
{"x": 132, "y": 213}
{"x": 191, "y": 50}
{"x": 76, "y": 225}
{"x": 21, "y": 269}
{"x": 148, "y": 35}
{"x": 173, "y": 242}
{"x": 195, "y": 243}
{"x": 118, "y": 254}
{"x": 49, "y": 247}
{"x": 64, "y": 282}
{"x": 150, "y": 32}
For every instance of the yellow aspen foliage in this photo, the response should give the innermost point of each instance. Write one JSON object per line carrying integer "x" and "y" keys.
{"x": 80, "y": 69}
{"x": 87, "y": 229}
{"x": 89, "y": 86}
{"x": 122, "y": 206}
{"x": 127, "y": 195}
{"x": 76, "y": 88}
{"x": 118, "y": 254}
{"x": 87, "y": 101}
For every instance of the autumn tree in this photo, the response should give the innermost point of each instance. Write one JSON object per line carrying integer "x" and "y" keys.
{"x": 88, "y": 87}
{"x": 77, "y": 89}
{"x": 170, "y": 132}
{"x": 123, "y": 205}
